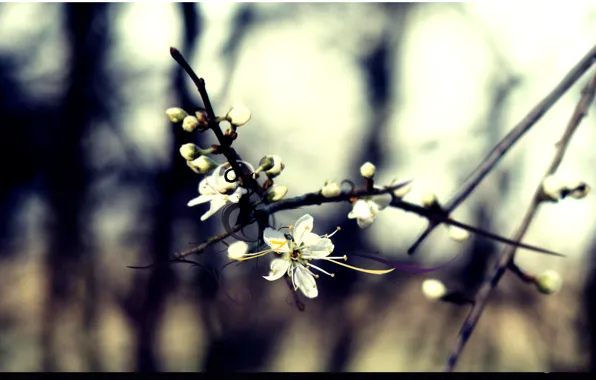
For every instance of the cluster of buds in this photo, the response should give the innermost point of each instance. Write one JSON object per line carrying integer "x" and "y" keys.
{"x": 189, "y": 122}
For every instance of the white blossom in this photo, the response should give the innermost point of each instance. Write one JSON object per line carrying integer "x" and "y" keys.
{"x": 215, "y": 189}
{"x": 365, "y": 210}
{"x": 297, "y": 250}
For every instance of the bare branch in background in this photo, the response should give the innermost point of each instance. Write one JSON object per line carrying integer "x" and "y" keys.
{"x": 510, "y": 139}
{"x": 507, "y": 256}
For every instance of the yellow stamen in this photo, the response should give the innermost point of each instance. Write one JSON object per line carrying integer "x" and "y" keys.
{"x": 371, "y": 271}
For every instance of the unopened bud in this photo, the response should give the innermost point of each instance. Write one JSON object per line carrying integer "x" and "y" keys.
{"x": 276, "y": 193}
{"x": 238, "y": 115}
{"x": 176, "y": 114}
{"x": 433, "y": 289}
{"x": 330, "y": 190}
{"x": 190, "y": 123}
{"x": 237, "y": 250}
{"x": 277, "y": 168}
{"x": 552, "y": 188}
{"x": 190, "y": 151}
{"x": 457, "y": 233}
{"x": 202, "y": 165}
{"x": 429, "y": 199}
{"x": 548, "y": 282}
{"x": 367, "y": 170}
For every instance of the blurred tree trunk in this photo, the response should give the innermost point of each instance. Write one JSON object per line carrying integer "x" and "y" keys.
{"x": 69, "y": 261}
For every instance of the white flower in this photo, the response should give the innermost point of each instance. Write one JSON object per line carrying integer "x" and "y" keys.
{"x": 367, "y": 170}
{"x": 190, "y": 123}
{"x": 548, "y": 282}
{"x": 276, "y": 193}
{"x": 176, "y": 114}
{"x": 330, "y": 190}
{"x": 238, "y": 115}
{"x": 215, "y": 188}
{"x": 237, "y": 250}
{"x": 433, "y": 289}
{"x": 297, "y": 250}
{"x": 365, "y": 210}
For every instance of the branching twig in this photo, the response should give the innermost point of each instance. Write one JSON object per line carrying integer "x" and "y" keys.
{"x": 508, "y": 254}
{"x": 225, "y": 142}
{"x": 511, "y": 138}
{"x": 317, "y": 199}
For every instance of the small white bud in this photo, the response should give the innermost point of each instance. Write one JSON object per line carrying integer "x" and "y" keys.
{"x": 202, "y": 165}
{"x": 276, "y": 193}
{"x": 330, "y": 190}
{"x": 428, "y": 199}
{"x": 238, "y": 115}
{"x": 367, "y": 170}
{"x": 433, "y": 289}
{"x": 552, "y": 187}
{"x": 190, "y": 151}
{"x": 190, "y": 123}
{"x": 237, "y": 250}
{"x": 277, "y": 167}
{"x": 176, "y": 114}
{"x": 457, "y": 233}
{"x": 548, "y": 282}
{"x": 402, "y": 191}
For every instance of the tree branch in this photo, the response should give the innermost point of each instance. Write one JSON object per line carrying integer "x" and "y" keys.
{"x": 508, "y": 254}
{"x": 510, "y": 139}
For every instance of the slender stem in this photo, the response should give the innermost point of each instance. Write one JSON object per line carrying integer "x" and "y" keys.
{"x": 508, "y": 254}
{"x": 511, "y": 138}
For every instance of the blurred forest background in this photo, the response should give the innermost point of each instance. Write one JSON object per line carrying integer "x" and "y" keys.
{"x": 421, "y": 90}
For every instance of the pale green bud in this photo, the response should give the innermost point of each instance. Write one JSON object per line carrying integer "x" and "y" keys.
{"x": 276, "y": 193}
{"x": 330, "y": 190}
{"x": 190, "y": 123}
{"x": 548, "y": 282}
{"x": 202, "y": 165}
{"x": 367, "y": 170}
{"x": 190, "y": 151}
{"x": 176, "y": 114}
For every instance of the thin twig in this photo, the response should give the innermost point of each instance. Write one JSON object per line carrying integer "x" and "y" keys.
{"x": 510, "y": 139}
{"x": 317, "y": 198}
{"x": 508, "y": 254}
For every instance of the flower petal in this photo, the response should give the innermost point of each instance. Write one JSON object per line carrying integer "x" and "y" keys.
{"x": 216, "y": 204}
{"x": 305, "y": 282}
{"x": 275, "y": 239}
{"x": 365, "y": 222}
{"x": 205, "y": 188}
{"x": 304, "y": 224}
{"x": 200, "y": 200}
{"x": 317, "y": 246}
{"x": 279, "y": 267}
{"x": 235, "y": 197}
{"x": 361, "y": 209}
{"x": 382, "y": 201}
